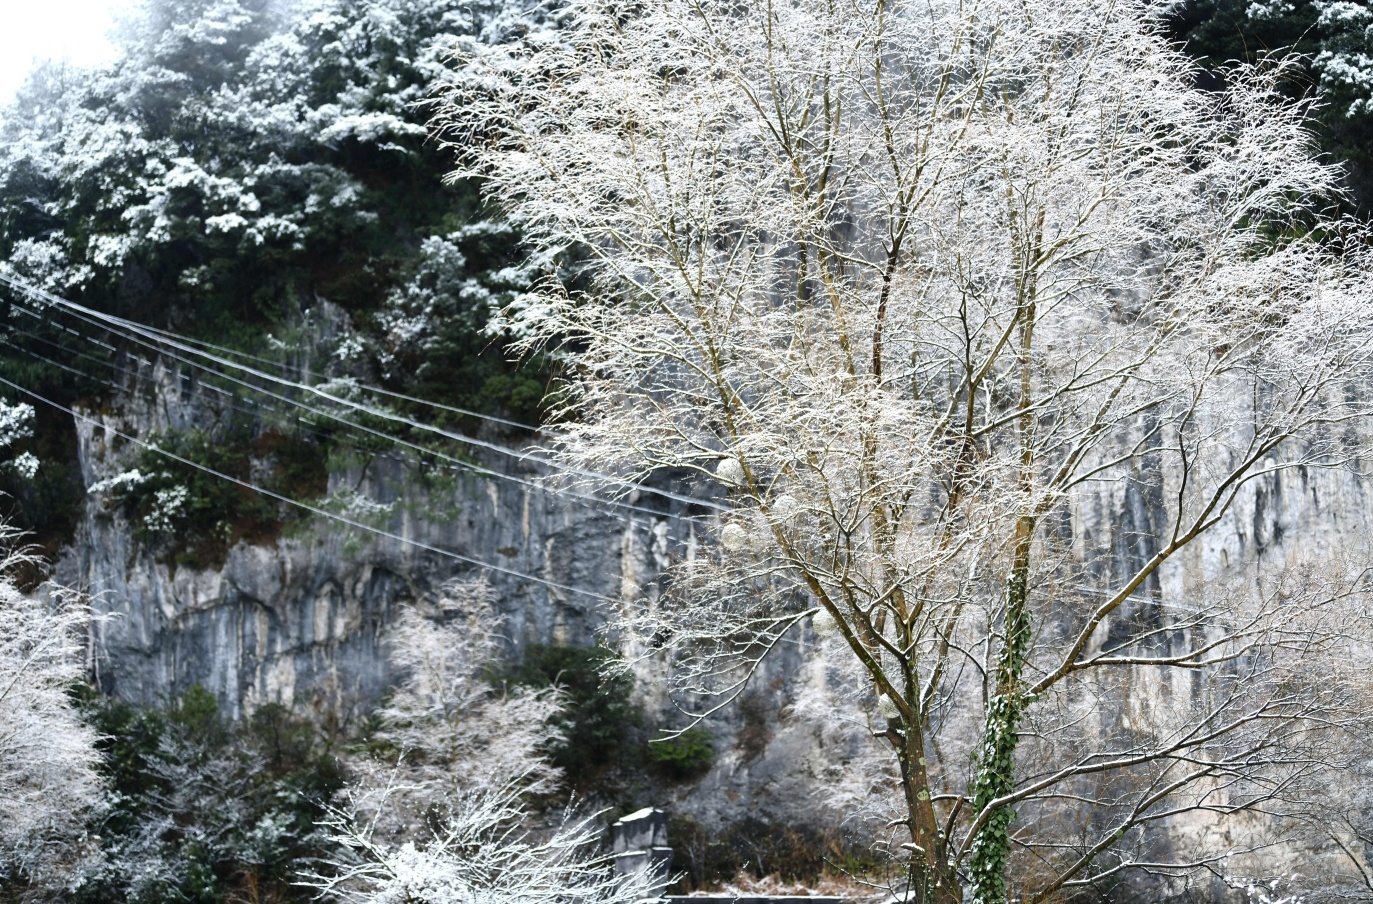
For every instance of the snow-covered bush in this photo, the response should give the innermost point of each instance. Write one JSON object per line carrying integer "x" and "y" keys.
{"x": 452, "y": 729}
{"x": 474, "y": 850}
{"x": 441, "y": 816}
{"x": 203, "y": 809}
{"x": 16, "y": 426}
{"x": 49, "y": 785}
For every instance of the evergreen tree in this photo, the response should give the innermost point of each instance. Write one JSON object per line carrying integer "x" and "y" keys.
{"x": 240, "y": 161}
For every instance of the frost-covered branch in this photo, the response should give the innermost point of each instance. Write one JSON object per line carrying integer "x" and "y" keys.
{"x": 990, "y": 325}
{"x": 49, "y": 785}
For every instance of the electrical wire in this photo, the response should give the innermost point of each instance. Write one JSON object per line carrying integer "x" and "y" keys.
{"x": 305, "y": 506}
{"x": 231, "y": 403}
{"x": 103, "y": 321}
{"x": 459, "y": 466}
{"x": 137, "y": 329}
{"x": 365, "y": 387}
{"x": 593, "y": 501}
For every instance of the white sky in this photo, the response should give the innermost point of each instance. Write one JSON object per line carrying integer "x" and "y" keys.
{"x": 34, "y": 30}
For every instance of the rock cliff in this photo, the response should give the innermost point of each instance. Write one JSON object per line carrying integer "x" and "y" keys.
{"x": 300, "y": 619}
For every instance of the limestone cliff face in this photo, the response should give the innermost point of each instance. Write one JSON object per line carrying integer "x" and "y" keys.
{"x": 300, "y": 620}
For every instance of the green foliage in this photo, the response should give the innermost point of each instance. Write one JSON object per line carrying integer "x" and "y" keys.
{"x": 995, "y": 761}
{"x": 203, "y": 810}
{"x": 44, "y": 506}
{"x": 196, "y": 713}
{"x": 600, "y": 724}
{"x": 685, "y": 756}
{"x": 241, "y": 160}
{"x": 194, "y": 516}
{"x": 606, "y": 751}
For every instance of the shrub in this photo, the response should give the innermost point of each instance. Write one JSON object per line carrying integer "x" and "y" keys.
{"x": 193, "y": 517}
{"x": 202, "y": 809}
{"x": 686, "y": 756}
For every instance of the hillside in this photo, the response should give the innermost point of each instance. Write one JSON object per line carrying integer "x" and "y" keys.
{"x": 259, "y": 398}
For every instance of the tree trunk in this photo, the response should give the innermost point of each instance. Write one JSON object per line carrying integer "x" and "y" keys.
{"x": 995, "y": 775}
{"x": 932, "y": 880}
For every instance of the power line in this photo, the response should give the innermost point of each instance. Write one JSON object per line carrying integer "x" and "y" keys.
{"x": 365, "y": 387}
{"x": 152, "y": 335}
{"x": 232, "y": 402}
{"x": 591, "y": 501}
{"x": 305, "y": 506}
{"x": 459, "y": 467}
{"x": 454, "y": 463}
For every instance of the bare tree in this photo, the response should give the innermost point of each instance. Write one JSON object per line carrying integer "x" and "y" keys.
{"x": 49, "y": 786}
{"x": 455, "y": 730}
{"x": 928, "y": 287}
{"x": 447, "y": 822}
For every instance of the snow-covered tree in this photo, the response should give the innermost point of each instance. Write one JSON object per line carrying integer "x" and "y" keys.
{"x": 474, "y": 849}
{"x": 256, "y": 174}
{"x": 929, "y": 290}
{"x": 446, "y": 821}
{"x": 453, "y": 727}
{"x": 239, "y": 160}
{"x": 49, "y": 786}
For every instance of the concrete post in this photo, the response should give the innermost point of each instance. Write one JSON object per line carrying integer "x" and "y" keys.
{"x": 639, "y": 846}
